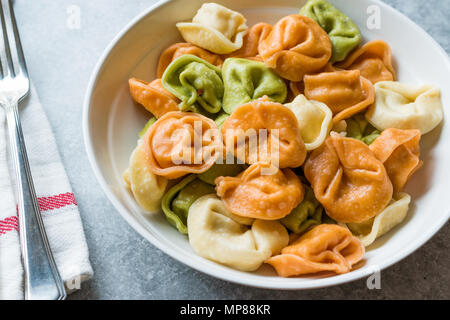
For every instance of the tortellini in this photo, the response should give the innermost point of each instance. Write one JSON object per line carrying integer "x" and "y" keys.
{"x": 374, "y": 60}
{"x": 359, "y": 128}
{"x": 179, "y": 49}
{"x": 197, "y": 83}
{"x": 344, "y": 34}
{"x": 219, "y": 170}
{"x": 147, "y": 126}
{"x": 296, "y": 46}
{"x": 315, "y": 120}
{"x": 306, "y": 215}
{"x": 221, "y": 119}
{"x": 283, "y": 141}
{"x": 270, "y": 195}
{"x": 153, "y": 96}
{"x": 215, "y": 28}
{"x": 240, "y": 243}
{"x": 399, "y": 151}
{"x": 147, "y": 188}
{"x": 346, "y": 93}
{"x": 326, "y": 247}
{"x": 370, "y": 230}
{"x": 170, "y": 145}
{"x": 348, "y": 180}
{"x": 246, "y": 80}
{"x": 255, "y": 35}
{"x": 406, "y": 106}
{"x": 177, "y": 201}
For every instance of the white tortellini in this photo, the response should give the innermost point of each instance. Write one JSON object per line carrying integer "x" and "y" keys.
{"x": 315, "y": 120}
{"x": 147, "y": 188}
{"x": 238, "y": 242}
{"x": 215, "y": 28}
{"x": 374, "y": 228}
{"x": 406, "y": 106}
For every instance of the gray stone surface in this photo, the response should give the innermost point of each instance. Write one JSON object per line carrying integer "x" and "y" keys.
{"x": 126, "y": 266}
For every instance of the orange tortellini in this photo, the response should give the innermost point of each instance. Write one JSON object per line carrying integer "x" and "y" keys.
{"x": 170, "y": 145}
{"x": 346, "y": 93}
{"x": 296, "y": 46}
{"x": 262, "y": 192}
{"x": 153, "y": 96}
{"x": 327, "y": 247}
{"x": 283, "y": 142}
{"x": 348, "y": 180}
{"x": 179, "y": 49}
{"x": 399, "y": 151}
{"x": 374, "y": 60}
{"x": 252, "y": 39}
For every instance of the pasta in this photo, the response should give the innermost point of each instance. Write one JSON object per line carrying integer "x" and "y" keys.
{"x": 370, "y": 230}
{"x": 179, "y": 49}
{"x": 177, "y": 201}
{"x": 406, "y": 106}
{"x": 196, "y": 82}
{"x": 314, "y": 119}
{"x": 219, "y": 170}
{"x": 221, "y": 119}
{"x": 260, "y": 195}
{"x": 344, "y": 34}
{"x": 326, "y": 247}
{"x": 288, "y": 144}
{"x": 306, "y": 215}
{"x": 348, "y": 180}
{"x": 399, "y": 151}
{"x": 281, "y": 128}
{"x": 241, "y": 243}
{"x": 147, "y": 188}
{"x": 153, "y": 96}
{"x": 147, "y": 126}
{"x": 296, "y": 46}
{"x": 170, "y": 145}
{"x": 246, "y": 80}
{"x": 252, "y": 39}
{"x": 346, "y": 93}
{"x": 298, "y": 87}
{"x": 374, "y": 60}
{"x": 359, "y": 128}
{"x": 215, "y": 28}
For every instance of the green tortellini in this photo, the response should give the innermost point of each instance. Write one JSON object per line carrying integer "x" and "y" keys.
{"x": 307, "y": 214}
{"x": 359, "y": 128}
{"x": 344, "y": 34}
{"x": 177, "y": 201}
{"x": 197, "y": 83}
{"x": 147, "y": 126}
{"x": 221, "y": 170}
{"x": 246, "y": 80}
{"x": 221, "y": 119}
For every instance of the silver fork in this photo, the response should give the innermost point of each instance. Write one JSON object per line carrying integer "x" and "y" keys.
{"x": 42, "y": 280}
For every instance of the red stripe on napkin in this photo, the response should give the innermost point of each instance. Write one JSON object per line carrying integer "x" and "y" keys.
{"x": 9, "y": 224}
{"x": 45, "y": 204}
{"x": 56, "y": 202}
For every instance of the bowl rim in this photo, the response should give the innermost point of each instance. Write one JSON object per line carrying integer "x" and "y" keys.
{"x": 203, "y": 267}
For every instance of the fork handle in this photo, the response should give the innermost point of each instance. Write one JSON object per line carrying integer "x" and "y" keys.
{"x": 42, "y": 279}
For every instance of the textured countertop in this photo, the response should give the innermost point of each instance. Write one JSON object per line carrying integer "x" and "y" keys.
{"x": 61, "y": 59}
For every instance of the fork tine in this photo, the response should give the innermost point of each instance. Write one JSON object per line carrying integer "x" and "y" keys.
{"x": 20, "y": 64}
{"x": 16, "y": 63}
{"x": 5, "y": 52}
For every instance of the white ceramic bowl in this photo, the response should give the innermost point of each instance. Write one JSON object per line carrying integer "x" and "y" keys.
{"x": 111, "y": 122}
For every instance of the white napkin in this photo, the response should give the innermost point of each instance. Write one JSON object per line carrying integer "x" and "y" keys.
{"x": 56, "y": 200}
